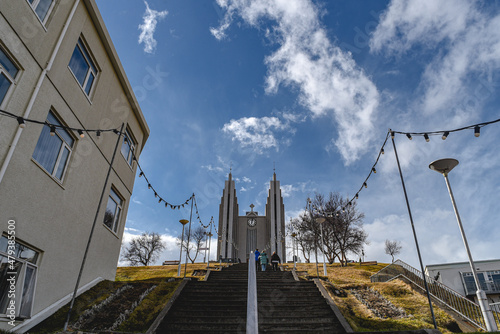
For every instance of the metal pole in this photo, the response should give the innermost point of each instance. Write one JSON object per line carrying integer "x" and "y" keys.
{"x": 180, "y": 255}
{"x": 323, "y": 250}
{"x": 189, "y": 236}
{"x": 491, "y": 325}
{"x": 92, "y": 230}
{"x": 414, "y": 234}
{"x": 209, "y": 242}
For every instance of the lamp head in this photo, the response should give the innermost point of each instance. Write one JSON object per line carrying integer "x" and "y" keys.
{"x": 320, "y": 219}
{"x": 183, "y": 221}
{"x": 443, "y": 166}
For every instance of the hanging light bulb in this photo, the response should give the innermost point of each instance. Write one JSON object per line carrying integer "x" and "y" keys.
{"x": 156, "y": 195}
{"x": 382, "y": 150}
{"x": 20, "y": 120}
{"x": 166, "y": 204}
{"x": 374, "y": 170}
{"x": 52, "y": 130}
{"x": 141, "y": 174}
{"x": 365, "y": 185}
{"x": 476, "y": 131}
{"x": 98, "y": 133}
{"x": 357, "y": 196}
{"x": 445, "y": 135}
{"x": 80, "y": 132}
{"x": 409, "y": 136}
{"x": 392, "y": 134}
{"x": 149, "y": 185}
{"x": 426, "y": 137}
{"x": 159, "y": 201}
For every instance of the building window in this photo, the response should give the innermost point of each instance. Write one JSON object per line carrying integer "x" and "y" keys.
{"x": 22, "y": 266}
{"x": 8, "y": 73}
{"x": 128, "y": 147}
{"x": 113, "y": 210}
{"x": 82, "y": 67}
{"x": 41, "y": 8}
{"x": 52, "y": 152}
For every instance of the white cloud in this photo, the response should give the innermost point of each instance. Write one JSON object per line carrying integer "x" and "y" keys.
{"x": 148, "y": 27}
{"x": 213, "y": 168}
{"x": 246, "y": 179}
{"x": 136, "y": 201}
{"x": 467, "y": 35}
{"x": 257, "y": 133}
{"x": 329, "y": 81}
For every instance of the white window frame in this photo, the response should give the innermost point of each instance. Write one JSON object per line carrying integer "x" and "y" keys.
{"x": 20, "y": 280}
{"x": 64, "y": 146}
{"x": 7, "y": 75}
{"x": 92, "y": 70}
{"x": 119, "y": 208}
{"x": 34, "y": 5}
{"x": 129, "y": 157}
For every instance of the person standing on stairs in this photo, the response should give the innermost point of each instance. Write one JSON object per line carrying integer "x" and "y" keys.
{"x": 275, "y": 260}
{"x": 257, "y": 258}
{"x": 263, "y": 260}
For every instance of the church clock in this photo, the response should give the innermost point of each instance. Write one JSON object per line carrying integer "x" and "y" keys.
{"x": 252, "y": 222}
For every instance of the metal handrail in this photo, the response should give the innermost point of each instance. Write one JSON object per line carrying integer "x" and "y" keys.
{"x": 454, "y": 300}
{"x": 495, "y": 308}
{"x": 252, "y": 312}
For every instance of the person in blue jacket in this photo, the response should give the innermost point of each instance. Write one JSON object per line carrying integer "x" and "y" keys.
{"x": 257, "y": 259}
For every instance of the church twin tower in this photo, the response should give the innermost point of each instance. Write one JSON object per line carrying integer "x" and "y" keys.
{"x": 240, "y": 235}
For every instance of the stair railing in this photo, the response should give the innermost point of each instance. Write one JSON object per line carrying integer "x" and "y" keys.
{"x": 252, "y": 312}
{"x": 469, "y": 310}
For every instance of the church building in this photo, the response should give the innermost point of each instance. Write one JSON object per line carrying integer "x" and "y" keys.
{"x": 240, "y": 235}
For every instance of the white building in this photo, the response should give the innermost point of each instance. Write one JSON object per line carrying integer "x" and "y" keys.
{"x": 59, "y": 66}
{"x": 458, "y": 276}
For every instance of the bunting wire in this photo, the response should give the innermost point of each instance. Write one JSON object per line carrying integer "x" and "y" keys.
{"x": 22, "y": 123}
{"x": 444, "y": 134}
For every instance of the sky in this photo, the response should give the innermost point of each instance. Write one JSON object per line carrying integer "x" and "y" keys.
{"x": 309, "y": 89}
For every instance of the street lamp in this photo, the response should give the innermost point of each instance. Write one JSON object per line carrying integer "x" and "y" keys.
{"x": 209, "y": 242}
{"x": 321, "y": 220}
{"x": 293, "y": 250}
{"x": 183, "y": 222}
{"x": 444, "y": 166}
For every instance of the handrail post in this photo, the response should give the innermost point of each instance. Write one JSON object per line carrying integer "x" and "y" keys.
{"x": 252, "y": 315}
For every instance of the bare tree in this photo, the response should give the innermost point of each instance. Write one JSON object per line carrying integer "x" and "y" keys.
{"x": 343, "y": 228}
{"x": 144, "y": 250}
{"x": 195, "y": 244}
{"x": 392, "y": 248}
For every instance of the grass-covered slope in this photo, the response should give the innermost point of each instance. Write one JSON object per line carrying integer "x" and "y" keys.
{"x": 347, "y": 281}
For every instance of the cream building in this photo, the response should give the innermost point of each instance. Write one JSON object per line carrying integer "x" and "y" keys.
{"x": 240, "y": 235}
{"x": 458, "y": 276}
{"x": 58, "y": 64}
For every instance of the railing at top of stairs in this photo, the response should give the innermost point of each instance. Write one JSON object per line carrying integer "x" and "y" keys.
{"x": 469, "y": 310}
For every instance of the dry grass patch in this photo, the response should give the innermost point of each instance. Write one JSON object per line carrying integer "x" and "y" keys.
{"x": 400, "y": 294}
{"x": 126, "y": 274}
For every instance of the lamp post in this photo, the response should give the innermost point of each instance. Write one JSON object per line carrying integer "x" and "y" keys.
{"x": 209, "y": 242}
{"x": 444, "y": 166}
{"x": 293, "y": 250}
{"x": 183, "y": 222}
{"x": 321, "y": 220}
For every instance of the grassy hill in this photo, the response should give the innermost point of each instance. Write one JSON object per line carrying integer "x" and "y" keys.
{"x": 399, "y": 306}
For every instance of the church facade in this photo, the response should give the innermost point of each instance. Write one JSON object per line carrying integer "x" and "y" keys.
{"x": 240, "y": 235}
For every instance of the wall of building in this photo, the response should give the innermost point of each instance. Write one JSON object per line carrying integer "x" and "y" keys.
{"x": 56, "y": 217}
{"x": 450, "y": 274}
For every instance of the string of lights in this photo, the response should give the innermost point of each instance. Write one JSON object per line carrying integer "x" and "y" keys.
{"x": 444, "y": 134}
{"x": 53, "y": 127}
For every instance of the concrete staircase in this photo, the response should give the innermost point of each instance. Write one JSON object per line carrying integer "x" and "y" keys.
{"x": 289, "y": 306}
{"x": 219, "y": 304}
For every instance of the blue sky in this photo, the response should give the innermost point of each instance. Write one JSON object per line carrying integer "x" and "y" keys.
{"x": 312, "y": 87}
